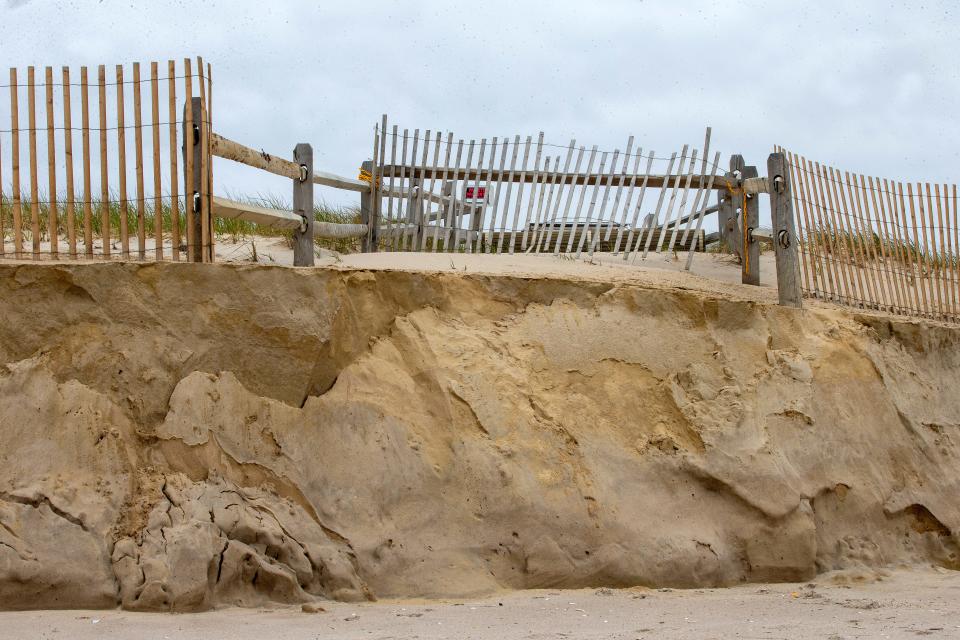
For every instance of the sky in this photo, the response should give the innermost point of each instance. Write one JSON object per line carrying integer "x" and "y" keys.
{"x": 871, "y": 87}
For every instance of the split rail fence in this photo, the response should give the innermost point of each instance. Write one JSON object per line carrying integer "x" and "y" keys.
{"x": 93, "y": 193}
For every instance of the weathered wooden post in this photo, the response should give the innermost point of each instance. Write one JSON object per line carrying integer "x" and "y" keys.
{"x": 731, "y": 202}
{"x": 193, "y": 171}
{"x": 750, "y": 253}
{"x": 369, "y": 242}
{"x": 303, "y": 250}
{"x": 784, "y": 234}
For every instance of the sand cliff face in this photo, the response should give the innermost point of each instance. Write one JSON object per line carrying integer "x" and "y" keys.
{"x": 173, "y": 437}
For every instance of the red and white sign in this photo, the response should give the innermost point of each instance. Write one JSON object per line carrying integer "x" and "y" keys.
{"x": 476, "y": 194}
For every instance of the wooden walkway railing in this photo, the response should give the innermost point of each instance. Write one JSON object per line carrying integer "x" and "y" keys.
{"x": 877, "y": 243}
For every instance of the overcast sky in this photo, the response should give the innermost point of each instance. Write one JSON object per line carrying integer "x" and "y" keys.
{"x": 866, "y": 86}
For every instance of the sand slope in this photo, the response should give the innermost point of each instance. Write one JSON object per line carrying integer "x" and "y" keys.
{"x": 180, "y": 436}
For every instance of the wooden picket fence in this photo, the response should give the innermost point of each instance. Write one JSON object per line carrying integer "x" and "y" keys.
{"x": 877, "y": 243}
{"x": 507, "y": 195}
{"x": 111, "y": 205}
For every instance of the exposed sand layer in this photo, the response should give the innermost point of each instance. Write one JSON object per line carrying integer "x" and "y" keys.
{"x": 837, "y": 606}
{"x": 175, "y": 437}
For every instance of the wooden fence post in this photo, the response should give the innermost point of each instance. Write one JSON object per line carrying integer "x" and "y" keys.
{"x": 369, "y": 242}
{"x": 195, "y": 165}
{"x": 303, "y": 250}
{"x": 784, "y": 235}
{"x": 750, "y": 256}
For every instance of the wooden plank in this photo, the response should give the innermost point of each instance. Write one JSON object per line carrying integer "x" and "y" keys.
{"x": 601, "y": 212}
{"x": 923, "y": 306}
{"x": 930, "y": 248}
{"x": 898, "y": 246}
{"x": 174, "y": 177}
{"x": 864, "y": 240}
{"x": 562, "y": 221}
{"x": 781, "y": 214}
{"x": 459, "y": 211}
{"x": 540, "y": 191}
{"x": 583, "y": 195}
{"x": 506, "y": 204}
{"x": 543, "y": 207}
{"x": 138, "y": 165}
{"x": 53, "y": 221}
{"x": 496, "y": 195}
{"x": 34, "y": 187}
{"x": 909, "y": 249}
{"x": 122, "y": 166}
{"x": 450, "y": 215}
{"x": 68, "y": 161}
{"x": 854, "y": 272}
{"x": 157, "y": 186}
{"x": 204, "y": 160}
{"x": 418, "y": 213}
{"x": 410, "y": 211}
{"x": 839, "y": 266}
{"x": 663, "y": 195}
{"x": 616, "y": 198}
{"x": 443, "y": 182}
{"x": 880, "y": 212}
{"x": 475, "y": 211}
{"x": 637, "y": 209}
{"x": 941, "y": 250}
{"x": 750, "y": 268}
{"x": 15, "y": 165}
{"x": 956, "y": 244}
{"x": 558, "y": 182}
{"x": 303, "y": 247}
{"x": 817, "y": 269}
{"x": 520, "y": 186}
{"x": 87, "y": 190}
{"x": 104, "y": 169}
{"x": 436, "y": 158}
{"x": 533, "y": 191}
{"x": 822, "y": 228}
{"x": 592, "y": 207}
{"x": 209, "y": 161}
{"x": 392, "y": 188}
{"x": 376, "y": 183}
{"x": 189, "y": 188}
{"x": 951, "y": 255}
{"x": 700, "y": 190}
{"x": 874, "y": 238}
{"x": 629, "y": 199}
{"x": 703, "y": 208}
{"x": 401, "y": 202}
{"x": 801, "y": 245}
{"x": 683, "y": 201}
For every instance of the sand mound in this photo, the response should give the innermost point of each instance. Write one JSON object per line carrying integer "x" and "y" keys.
{"x": 174, "y": 437}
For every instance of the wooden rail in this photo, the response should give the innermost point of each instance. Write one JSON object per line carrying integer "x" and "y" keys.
{"x": 282, "y": 219}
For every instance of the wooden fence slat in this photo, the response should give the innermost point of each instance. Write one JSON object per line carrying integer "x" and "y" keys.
{"x": 638, "y": 208}
{"x": 401, "y": 200}
{"x": 549, "y": 211}
{"x": 700, "y": 190}
{"x": 87, "y": 162}
{"x": 419, "y": 220}
{"x": 122, "y": 166}
{"x": 683, "y": 201}
{"x": 3, "y": 225}
{"x": 854, "y": 272}
{"x": 476, "y": 211}
{"x": 174, "y": 177}
{"x": 411, "y": 214}
{"x": 897, "y": 248}
{"x": 157, "y": 187}
{"x": 701, "y": 216}
{"x": 952, "y": 251}
{"x": 838, "y": 260}
{"x": 138, "y": 150}
{"x": 593, "y": 202}
{"x": 598, "y": 228}
{"x": 931, "y": 248}
{"x": 591, "y": 205}
{"x": 942, "y": 266}
{"x": 923, "y": 306}
{"x": 34, "y": 188}
{"x": 209, "y": 165}
{"x": 451, "y": 204}
{"x": 543, "y": 207}
{"x": 618, "y": 193}
{"x": 506, "y": 203}
{"x": 53, "y": 222}
{"x": 809, "y": 244}
{"x": 70, "y": 204}
{"x": 437, "y": 143}
{"x": 874, "y": 238}
{"x": 558, "y": 179}
{"x": 956, "y": 245}
{"x": 583, "y": 194}
{"x": 656, "y": 214}
{"x": 15, "y": 165}
{"x": 520, "y": 187}
{"x": 910, "y": 249}
{"x": 888, "y": 261}
{"x": 460, "y": 212}
{"x": 390, "y": 189}
{"x": 865, "y": 240}
{"x": 544, "y": 176}
{"x": 188, "y": 161}
{"x": 206, "y": 231}
{"x": 527, "y": 219}
{"x": 673, "y": 197}
{"x": 104, "y": 164}
{"x": 441, "y": 212}
{"x": 822, "y": 229}
{"x": 850, "y": 228}
{"x": 928, "y": 259}
{"x": 562, "y": 220}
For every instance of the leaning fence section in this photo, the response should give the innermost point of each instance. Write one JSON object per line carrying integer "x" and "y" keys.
{"x": 877, "y": 243}
{"x": 435, "y": 192}
{"x": 96, "y": 166}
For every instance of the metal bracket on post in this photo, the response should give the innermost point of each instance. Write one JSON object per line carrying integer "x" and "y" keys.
{"x": 303, "y": 249}
{"x": 785, "y": 237}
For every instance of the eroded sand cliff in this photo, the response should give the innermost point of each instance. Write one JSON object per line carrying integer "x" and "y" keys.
{"x": 182, "y": 436}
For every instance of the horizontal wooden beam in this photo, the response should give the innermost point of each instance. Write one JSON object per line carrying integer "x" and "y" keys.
{"x": 230, "y": 150}
{"x": 276, "y": 218}
{"x": 497, "y": 175}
